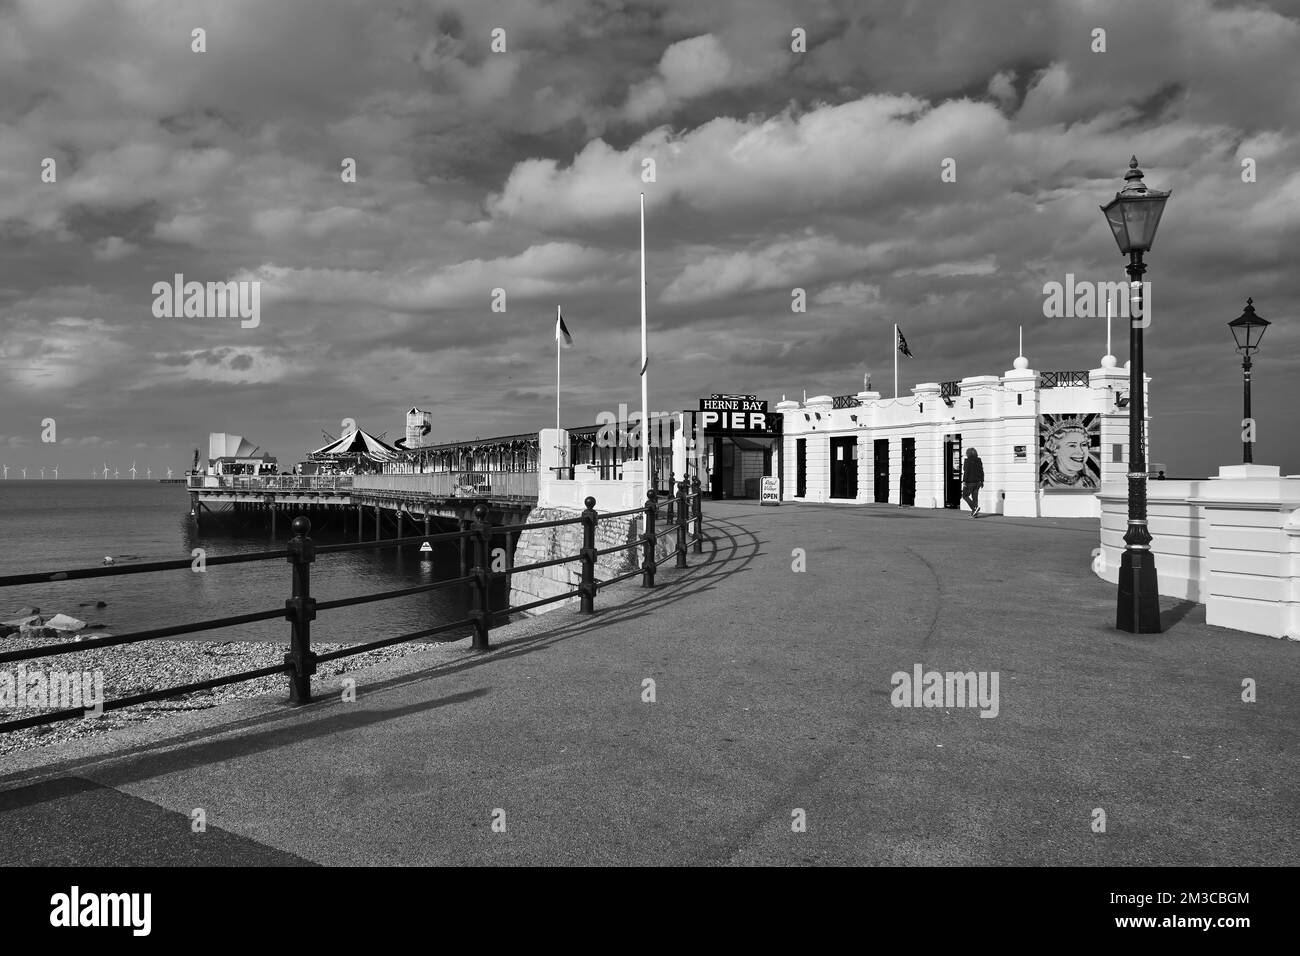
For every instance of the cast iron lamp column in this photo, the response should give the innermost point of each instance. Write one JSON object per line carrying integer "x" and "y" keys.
{"x": 1133, "y": 216}
{"x": 1247, "y": 330}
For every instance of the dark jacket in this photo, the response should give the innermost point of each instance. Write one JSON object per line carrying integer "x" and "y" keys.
{"x": 973, "y": 473}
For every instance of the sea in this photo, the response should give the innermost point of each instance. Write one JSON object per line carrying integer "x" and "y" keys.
{"x": 50, "y": 526}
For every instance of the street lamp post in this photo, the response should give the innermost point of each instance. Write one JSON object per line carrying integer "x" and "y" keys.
{"x": 1133, "y": 216}
{"x": 1247, "y": 330}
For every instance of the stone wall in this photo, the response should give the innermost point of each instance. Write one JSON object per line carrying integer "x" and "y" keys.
{"x": 546, "y": 544}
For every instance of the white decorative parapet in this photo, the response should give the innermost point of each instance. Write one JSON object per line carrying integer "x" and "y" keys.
{"x": 1231, "y": 543}
{"x": 556, "y": 490}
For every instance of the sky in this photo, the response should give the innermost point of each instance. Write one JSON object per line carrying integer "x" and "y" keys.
{"x": 519, "y": 168}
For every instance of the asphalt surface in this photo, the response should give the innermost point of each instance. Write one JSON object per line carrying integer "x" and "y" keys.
{"x": 772, "y": 703}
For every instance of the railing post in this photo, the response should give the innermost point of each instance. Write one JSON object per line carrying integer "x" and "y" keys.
{"x": 682, "y": 515}
{"x": 672, "y": 502}
{"x": 300, "y": 611}
{"x": 587, "y": 589}
{"x": 648, "y": 542}
{"x": 482, "y": 611}
{"x": 697, "y": 508}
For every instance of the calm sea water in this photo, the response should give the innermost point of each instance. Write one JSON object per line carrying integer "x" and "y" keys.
{"x": 57, "y": 525}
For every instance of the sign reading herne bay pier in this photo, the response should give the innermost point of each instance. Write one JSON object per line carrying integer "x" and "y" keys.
{"x": 731, "y": 414}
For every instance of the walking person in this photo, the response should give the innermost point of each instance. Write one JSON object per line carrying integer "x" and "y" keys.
{"x": 971, "y": 479}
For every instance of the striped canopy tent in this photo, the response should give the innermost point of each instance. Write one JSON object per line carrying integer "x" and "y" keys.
{"x": 356, "y": 445}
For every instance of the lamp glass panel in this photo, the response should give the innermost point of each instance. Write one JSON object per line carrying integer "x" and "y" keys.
{"x": 1256, "y": 333}
{"x": 1238, "y": 334}
{"x": 1115, "y": 219}
{"x": 1138, "y": 216}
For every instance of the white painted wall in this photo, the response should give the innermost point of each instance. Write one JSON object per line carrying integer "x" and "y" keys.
{"x": 993, "y": 414}
{"x": 1231, "y": 543}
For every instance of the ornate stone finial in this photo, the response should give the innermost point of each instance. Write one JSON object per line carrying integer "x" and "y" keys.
{"x": 866, "y": 381}
{"x": 1108, "y": 361}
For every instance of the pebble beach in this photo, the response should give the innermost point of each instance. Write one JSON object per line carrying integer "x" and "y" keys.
{"x": 137, "y": 668}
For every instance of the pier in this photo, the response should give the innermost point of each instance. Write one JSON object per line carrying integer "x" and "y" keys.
{"x": 367, "y": 504}
{"x": 426, "y": 487}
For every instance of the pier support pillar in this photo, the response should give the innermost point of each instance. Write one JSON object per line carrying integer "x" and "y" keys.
{"x": 378, "y": 520}
{"x": 426, "y": 520}
{"x": 400, "y": 516}
{"x": 361, "y": 523}
{"x": 274, "y": 509}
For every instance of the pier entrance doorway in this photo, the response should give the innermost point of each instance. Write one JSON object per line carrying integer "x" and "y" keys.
{"x": 800, "y": 467}
{"x": 844, "y": 467}
{"x": 881, "y": 460}
{"x": 745, "y": 441}
{"x": 907, "y": 482}
{"x": 952, "y": 476}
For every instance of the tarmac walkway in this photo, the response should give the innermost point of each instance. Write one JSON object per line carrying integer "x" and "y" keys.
{"x": 772, "y": 695}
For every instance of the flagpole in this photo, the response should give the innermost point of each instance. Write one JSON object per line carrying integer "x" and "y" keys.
{"x": 557, "y": 369}
{"x": 645, "y": 430}
{"x": 895, "y": 360}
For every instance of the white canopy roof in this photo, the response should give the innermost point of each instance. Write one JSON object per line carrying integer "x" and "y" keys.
{"x": 359, "y": 442}
{"x": 226, "y": 445}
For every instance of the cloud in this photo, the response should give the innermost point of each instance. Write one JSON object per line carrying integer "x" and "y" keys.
{"x": 844, "y": 155}
{"x": 182, "y": 228}
{"x": 689, "y": 68}
{"x": 543, "y": 270}
{"x": 112, "y": 248}
{"x": 779, "y": 265}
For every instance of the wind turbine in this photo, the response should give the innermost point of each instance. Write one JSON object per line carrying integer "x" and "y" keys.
{"x": 42, "y": 473}
{"x": 132, "y": 470}
{"x": 6, "y": 468}
{"x": 24, "y": 474}
{"x": 148, "y": 474}
{"x": 116, "y": 474}
{"x": 169, "y": 474}
{"x": 106, "y": 471}
{"x": 56, "y": 472}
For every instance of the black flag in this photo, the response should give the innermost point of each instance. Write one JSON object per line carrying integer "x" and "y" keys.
{"x": 902, "y": 344}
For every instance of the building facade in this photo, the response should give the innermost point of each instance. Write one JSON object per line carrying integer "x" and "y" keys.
{"x": 1047, "y": 440}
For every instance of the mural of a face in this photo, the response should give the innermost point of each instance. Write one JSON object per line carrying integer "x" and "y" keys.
{"x": 1070, "y": 451}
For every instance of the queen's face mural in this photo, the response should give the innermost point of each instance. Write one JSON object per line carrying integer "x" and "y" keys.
{"x": 1069, "y": 451}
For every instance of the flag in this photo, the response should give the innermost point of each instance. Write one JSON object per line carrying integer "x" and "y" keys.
{"x": 902, "y": 344}
{"x": 562, "y": 332}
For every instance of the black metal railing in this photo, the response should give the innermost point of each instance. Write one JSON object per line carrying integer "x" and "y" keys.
{"x": 949, "y": 391}
{"x": 846, "y": 401}
{"x": 1066, "y": 379}
{"x": 682, "y": 509}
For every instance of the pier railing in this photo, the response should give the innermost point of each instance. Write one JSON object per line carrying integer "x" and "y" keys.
{"x": 682, "y": 516}
{"x": 271, "y": 482}
{"x": 454, "y": 484}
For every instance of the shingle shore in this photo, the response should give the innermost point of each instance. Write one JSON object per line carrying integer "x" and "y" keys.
{"x": 138, "y": 668}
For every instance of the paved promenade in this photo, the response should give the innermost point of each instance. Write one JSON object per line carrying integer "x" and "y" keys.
{"x": 772, "y": 694}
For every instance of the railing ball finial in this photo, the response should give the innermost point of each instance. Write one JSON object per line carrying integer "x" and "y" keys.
{"x": 590, "y": 502}
{"x": 301, "y": 525}
{"x": 480, "y": 511}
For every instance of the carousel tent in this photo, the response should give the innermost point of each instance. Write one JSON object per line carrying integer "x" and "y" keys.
{"x": 357, "y": 443}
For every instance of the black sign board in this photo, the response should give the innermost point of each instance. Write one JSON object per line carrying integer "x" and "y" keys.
{"x": 736, "y": 415}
